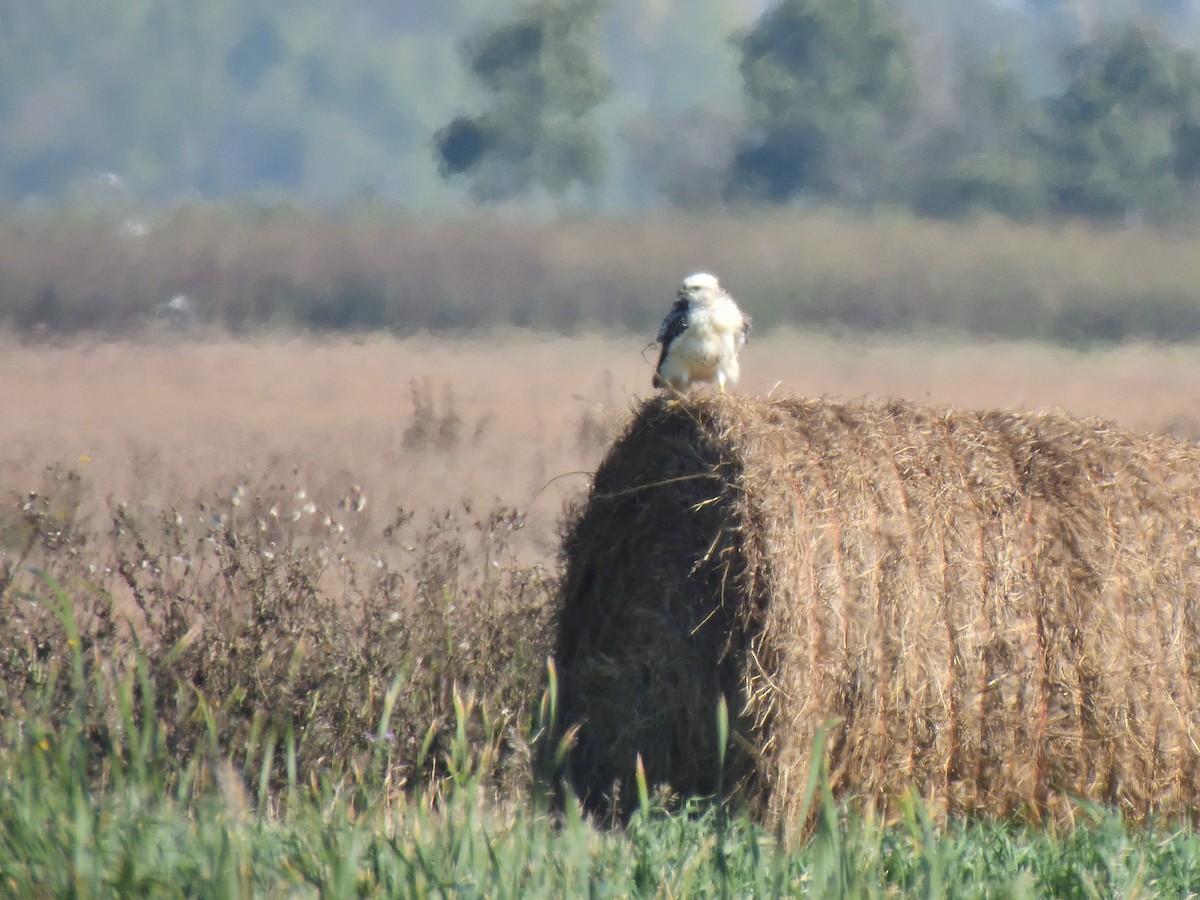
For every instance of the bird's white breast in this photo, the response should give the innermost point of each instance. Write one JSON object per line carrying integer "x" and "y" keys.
{"x": 707, "y": 340}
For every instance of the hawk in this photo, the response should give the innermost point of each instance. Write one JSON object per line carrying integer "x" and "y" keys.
{"x": 701, "y": 336}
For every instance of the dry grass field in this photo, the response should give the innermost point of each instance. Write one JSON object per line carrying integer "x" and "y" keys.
{"x": 517, "y": 419}
{"x": 326, "y": 545}
{"x": 329, "y": 566}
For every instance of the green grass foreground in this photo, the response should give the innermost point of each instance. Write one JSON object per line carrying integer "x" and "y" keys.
{"x": 60, "y": 836}
{"x": 99, "y": 798}
{"x": 118, "y": 815}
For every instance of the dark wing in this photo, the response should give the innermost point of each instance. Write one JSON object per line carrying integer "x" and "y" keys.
{"x": 675, "y": 324}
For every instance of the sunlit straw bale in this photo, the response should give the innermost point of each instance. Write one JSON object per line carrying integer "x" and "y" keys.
{"x": 1000, "y": 610}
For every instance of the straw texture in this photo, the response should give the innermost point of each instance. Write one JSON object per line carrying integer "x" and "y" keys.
{"x": 999, "y": 610}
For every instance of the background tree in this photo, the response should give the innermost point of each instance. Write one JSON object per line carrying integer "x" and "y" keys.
{"x": 981, "y": 157}
{"x": 544, "y": 72}
{"x": 1121, "y": 139}
{"x": 829, "y": 84}
{"x": 678, "y": 103}
{"x": 228, "y": 98}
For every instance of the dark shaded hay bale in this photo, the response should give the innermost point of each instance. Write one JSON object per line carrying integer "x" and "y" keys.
{"x": 999, "y": 610}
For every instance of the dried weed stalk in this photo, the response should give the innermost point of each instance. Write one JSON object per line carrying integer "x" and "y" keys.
{"x": 254, "y": 611}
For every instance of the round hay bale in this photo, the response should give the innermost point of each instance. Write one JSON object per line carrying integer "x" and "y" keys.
{"x": 998, "y": 610}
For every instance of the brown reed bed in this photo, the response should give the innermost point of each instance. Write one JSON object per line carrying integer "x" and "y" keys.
{"x": 997, "y": 610}
{"x": 245, "y": 270}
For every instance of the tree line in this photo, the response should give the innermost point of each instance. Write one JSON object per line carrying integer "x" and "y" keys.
{"x": 607, "y": 105}
{"x": 831, "y": 101}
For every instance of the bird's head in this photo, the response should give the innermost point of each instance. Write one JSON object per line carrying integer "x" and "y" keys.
{"x": 698, "y": 287}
